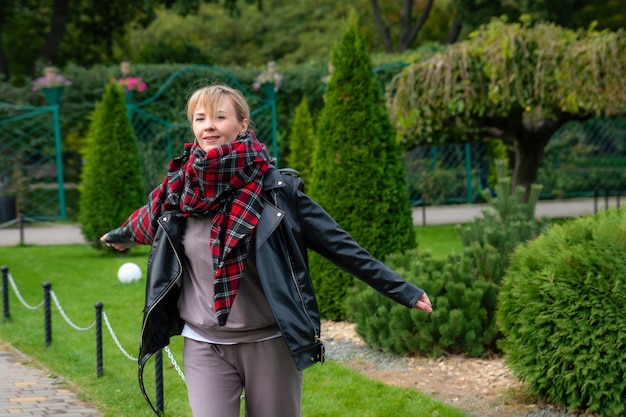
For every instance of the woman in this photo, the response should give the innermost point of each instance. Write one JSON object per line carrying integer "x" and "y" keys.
{"x": 228, "y": 267}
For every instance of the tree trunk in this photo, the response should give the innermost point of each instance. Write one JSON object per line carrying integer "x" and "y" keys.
{"x": 4, "y": 62}
{"x": 58, "y": 23}
{"x": 382, "y": 28}
{"x": 408, "y": 34}
{"x": 528, "y": 156}
{"x": 454, "y": 31}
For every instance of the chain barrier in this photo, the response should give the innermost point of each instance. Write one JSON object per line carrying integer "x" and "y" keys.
{"x": 174, "y": 364}
{"x": 115, "y": 339}
{"x": 91, "y": 326}
{"x": 67, "y": 319}
{"x": 20, "y": 298}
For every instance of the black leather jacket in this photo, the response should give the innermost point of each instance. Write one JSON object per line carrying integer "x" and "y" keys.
{"x": 290, "y": 223}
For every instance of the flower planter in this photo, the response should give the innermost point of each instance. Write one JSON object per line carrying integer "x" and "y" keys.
{"x": 53, "y": 94}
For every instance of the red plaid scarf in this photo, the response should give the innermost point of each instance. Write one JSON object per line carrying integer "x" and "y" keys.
{"x": 226, "y": 184}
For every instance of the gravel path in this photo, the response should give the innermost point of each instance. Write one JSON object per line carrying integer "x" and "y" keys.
{"x": 481, "y": 387}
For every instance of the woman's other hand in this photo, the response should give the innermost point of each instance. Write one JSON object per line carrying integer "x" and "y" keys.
{"x": 117, "y": 246}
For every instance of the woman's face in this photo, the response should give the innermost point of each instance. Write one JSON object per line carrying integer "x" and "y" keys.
{"x": 214, "y": 130}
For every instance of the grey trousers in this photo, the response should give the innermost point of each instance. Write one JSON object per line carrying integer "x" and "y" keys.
{"x": 216, "y": 376}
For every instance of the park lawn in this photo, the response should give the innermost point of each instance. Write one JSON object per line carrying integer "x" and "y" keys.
{"x": 81, "y": 276}
{"x": 439, "y": 240}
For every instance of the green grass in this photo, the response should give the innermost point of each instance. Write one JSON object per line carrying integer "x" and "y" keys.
{"x": 81, "y": 276}
{"x": 439, "y": 240}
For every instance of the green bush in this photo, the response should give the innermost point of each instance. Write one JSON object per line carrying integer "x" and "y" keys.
{"x": 508, "y": 222}
{"x": 462, "y": 321}
{"x": 302, "y": 142}
{"x": 561, "y": 310}
{"x": 358, "y": 174}
{"x": 112, "y": 184}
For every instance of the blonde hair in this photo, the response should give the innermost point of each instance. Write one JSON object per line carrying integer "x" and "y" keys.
{"x": 210, "y": 98}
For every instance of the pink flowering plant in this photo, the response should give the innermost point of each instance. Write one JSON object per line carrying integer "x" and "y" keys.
{"x": 132, "y": 83}
{"x": 270, "y": 75}
{"x": 48, "y": 81}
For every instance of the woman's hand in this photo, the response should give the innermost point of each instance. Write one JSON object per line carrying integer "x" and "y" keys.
{"x": 117, "y": 246}
{"x": 424, "y": 304}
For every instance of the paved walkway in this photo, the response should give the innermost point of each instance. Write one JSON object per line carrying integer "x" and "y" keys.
{"x": 28, "y": 390}
{"x": 68, "y": 234}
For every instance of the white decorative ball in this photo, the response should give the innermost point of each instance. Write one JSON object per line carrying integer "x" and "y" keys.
{"x": 129, "y": 272}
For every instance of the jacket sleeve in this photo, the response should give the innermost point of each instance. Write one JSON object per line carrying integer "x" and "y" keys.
{"x": 324, "y": 236}
{"x": 140, "y": 227}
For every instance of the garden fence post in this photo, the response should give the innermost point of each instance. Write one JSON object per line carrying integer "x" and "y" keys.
{"x": 99, "y": 306}
{"x": 5, "y": 292}
{"x": 46, "y": 310}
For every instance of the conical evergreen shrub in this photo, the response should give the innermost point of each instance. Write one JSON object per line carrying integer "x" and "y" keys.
{"x": 302, "y": 142}
{"x": 112, "y": 184}
{"x": 358, "y": 177}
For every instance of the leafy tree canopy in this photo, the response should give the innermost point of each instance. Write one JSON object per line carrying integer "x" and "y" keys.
{"x": 513, "y": 81}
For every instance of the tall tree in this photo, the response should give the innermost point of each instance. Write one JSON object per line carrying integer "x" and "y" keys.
{"x": 81, "y": 31}
{"x": 358, "y": 174}
{"x": 514, "y": 82}
{"x": 409, "y": 24}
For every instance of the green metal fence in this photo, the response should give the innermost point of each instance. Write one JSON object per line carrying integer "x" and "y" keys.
{"x": 31, "y": 167}
{"x": 581, "y": 159}
{"x": 162, "y": 128}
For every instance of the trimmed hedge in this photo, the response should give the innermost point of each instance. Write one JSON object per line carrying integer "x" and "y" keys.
{"x": 112, "y": 184}
{"x": 562, "y": 313}
{"x": 358, "y": 174}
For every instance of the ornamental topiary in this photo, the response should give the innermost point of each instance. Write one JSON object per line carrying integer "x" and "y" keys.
{"x": 302, "y": 142}
{"x": 562, "y": 313}
{"x": 358, "y": 174}
{"x": 112, "y": 184}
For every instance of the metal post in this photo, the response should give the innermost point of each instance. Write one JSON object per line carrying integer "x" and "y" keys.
{"x": 20, "y": 217}
{"x": 46, "y": 310}
{"x": 158, "y": 370}
{"x": 606, "y": 199}
{"x": 468, "y": 171}
{"x": 59, "y": 160}
{"x": 5, "y": 292}
{"x": 268, "y": 88}
{"x": 99, "y": 306}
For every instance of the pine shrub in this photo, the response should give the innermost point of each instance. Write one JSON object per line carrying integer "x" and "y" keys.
{"x": 561, "y": 310}
{"x": 508, "y": 222}
{"x": 359, "y": 176}
{"x": 112, "y": 184}
{"x": 462, "y": 321}
{"x": 302, "y": 142}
